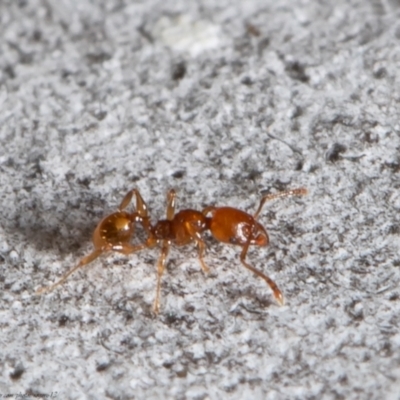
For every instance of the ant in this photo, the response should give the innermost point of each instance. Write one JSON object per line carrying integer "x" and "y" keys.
{"x": 226, "y": 224}
{"x": 113, "y": 233}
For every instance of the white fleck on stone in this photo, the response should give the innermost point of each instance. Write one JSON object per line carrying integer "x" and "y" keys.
{"x": 182, "y": 34}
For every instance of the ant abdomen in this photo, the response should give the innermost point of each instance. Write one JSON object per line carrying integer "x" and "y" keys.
{"x": 114, "y": 229}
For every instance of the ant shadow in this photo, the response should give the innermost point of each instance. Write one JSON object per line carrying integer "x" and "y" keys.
{"x": 63, "y": 223}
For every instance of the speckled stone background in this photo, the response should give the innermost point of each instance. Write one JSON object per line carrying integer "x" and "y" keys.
{"x": 222, "y": 101}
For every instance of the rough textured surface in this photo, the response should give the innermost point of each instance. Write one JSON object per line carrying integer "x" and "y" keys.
{"x": 221, "y": 102}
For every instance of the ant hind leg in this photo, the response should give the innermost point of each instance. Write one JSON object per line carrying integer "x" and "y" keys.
{"x": 84, "y": 261}
{"x": 141, "y": 206}
{"x": 126, "y": 200}
{"x": 126, "y": 248}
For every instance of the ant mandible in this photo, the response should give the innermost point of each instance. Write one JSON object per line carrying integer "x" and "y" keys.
{"x": 113, "y": 233}
{"x": 226, "y": 224}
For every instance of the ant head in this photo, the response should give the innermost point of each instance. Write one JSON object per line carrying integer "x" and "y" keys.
{"x": 260, "y": 235}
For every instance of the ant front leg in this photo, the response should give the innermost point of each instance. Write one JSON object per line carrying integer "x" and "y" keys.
{"x": 274, "y": 287}
{"x": 160, "y": 271}
{"x": 85, "y": 260}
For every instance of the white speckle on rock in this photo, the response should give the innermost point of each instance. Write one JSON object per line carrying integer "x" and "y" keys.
{"x": 182, "y": 34}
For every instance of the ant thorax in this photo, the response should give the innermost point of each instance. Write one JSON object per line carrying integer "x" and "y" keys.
{"x": 163, "y": 230}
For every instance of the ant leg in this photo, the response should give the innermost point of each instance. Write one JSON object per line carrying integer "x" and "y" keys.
{"x": 171, "y": 205}
{"x": 85, "y": 260}
{"x": 126, "y": 248}
{"x": 200, "y": 244}
{"x": 123, "y": 248}
{"x": 142, "y": 214}
{"x": 141, "y": 205}
{"x": 208, "y": 209}
{"x": 160, "y": 271}
{"x": 126, "y": 200}
{"x": 288, "y": 193}
{"x": 274, "y": 287}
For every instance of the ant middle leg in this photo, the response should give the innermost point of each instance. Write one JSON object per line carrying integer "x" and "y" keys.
{"x": 160, "y": 270}
{"x": 287, "y": 193}
{"x": 274, "y": 287}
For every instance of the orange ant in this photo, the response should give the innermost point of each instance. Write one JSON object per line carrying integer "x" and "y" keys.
{"x": 113, "y": 233}
{"x": 227, "y": 225}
